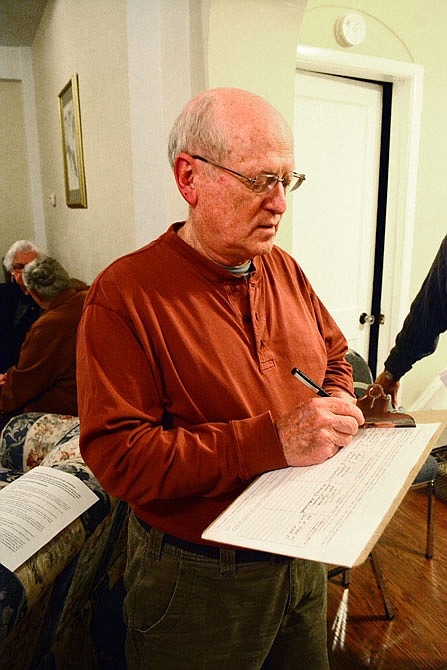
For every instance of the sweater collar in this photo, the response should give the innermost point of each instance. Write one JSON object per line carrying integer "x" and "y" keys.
{"x": 213, "y": 271}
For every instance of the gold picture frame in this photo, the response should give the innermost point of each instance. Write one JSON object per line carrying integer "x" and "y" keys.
{"x": 73, "y": 155}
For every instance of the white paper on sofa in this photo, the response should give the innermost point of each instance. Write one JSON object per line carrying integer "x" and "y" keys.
{"x": 35, "y": 507}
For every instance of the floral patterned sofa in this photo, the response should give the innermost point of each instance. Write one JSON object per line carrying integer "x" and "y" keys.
{"x": 62, "y": 608}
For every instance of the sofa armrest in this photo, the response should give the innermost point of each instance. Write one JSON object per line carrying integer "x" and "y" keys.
{"x": 28, "y": 438}
{"x": 22, "y": 589}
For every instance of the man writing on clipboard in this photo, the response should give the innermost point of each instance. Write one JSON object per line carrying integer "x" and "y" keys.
{"x": 185, "y": 354}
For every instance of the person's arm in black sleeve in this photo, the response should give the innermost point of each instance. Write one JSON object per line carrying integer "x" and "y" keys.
{"x": 426, "y": 320}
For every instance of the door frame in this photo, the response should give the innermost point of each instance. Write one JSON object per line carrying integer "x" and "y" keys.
{"x": 406, "y": 112}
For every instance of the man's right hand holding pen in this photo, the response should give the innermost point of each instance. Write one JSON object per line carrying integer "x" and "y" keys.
{"x": 318, "y": 427}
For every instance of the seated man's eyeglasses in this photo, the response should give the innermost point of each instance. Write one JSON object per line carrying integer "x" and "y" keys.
{"x": 263, "y": 183}
{"x": 17, "y": 268}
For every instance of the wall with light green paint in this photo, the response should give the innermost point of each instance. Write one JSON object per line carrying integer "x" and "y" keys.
{"x": 411, "y": 31}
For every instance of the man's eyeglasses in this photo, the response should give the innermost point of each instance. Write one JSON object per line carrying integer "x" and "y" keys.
{"x": 263, "y": 183}
{"x": 17, "y": 268}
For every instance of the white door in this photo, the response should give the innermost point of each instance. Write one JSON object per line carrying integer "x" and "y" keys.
{"x": 337, "y": 134}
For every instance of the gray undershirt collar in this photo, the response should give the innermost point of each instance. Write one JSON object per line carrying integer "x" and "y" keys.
{"x": 239, "y": 269}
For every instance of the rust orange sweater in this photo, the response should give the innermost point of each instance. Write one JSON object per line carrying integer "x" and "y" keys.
{"x": 182, "y": 369}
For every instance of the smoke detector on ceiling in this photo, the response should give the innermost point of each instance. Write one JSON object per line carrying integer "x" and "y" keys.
{"x": 350, "y": 30}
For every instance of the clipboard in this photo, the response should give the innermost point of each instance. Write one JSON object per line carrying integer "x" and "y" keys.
{"x": 377, "y": 410}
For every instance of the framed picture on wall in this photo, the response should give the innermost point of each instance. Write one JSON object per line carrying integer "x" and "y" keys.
{"x": 73, "y": 156}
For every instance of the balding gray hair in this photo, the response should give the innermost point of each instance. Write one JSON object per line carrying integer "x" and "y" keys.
{"x": 46, "y": 277}
{"x": 19, "y": 246}
{"x": 195, "y": 130}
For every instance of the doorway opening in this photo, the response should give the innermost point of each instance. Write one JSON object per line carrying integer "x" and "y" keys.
{"x": 382, "y": 195}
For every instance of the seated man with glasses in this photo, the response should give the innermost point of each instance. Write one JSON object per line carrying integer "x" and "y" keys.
{"x": 185, "y": 353}
{"x": 18, "y": 310}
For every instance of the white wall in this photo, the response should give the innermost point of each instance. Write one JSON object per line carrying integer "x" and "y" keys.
{"x": 160, "y": 83}
{"x": 23, "y": 217}
{"x": 88, "y": 38}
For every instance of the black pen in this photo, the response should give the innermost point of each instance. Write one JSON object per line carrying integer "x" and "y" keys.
{"x": 310, "y": 384}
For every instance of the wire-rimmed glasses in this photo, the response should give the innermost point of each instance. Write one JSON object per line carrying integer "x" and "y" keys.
{"x": 262, "y": 183}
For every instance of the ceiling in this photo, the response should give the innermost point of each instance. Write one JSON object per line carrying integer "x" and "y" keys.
{"x": 19, "y": 20}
